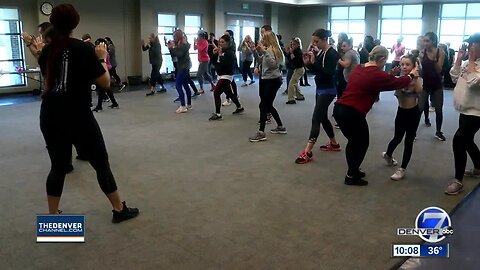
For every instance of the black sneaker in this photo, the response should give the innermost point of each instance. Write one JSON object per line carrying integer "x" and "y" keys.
{"x": 355, "y": 181}
{"x": 427, "y": 123}
{"x": 300, "y": 98}
{"x": 361, "y": 173}
{"x": 114, "y": 106}
{"x": 97, "y": 109}
{"x": 291, "y": 102}
{"x": 239, "y": 111}
{"x": 121, "y": 87}
{"x": 215, "y": 117}
{"x": 151, "y": 93}
{"x": 162, "y": 90}
{"x": 439, "y": 136}
{"x": 125, "y": 214}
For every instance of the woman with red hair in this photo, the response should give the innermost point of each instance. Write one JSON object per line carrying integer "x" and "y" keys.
{"x": 69, "y": 66}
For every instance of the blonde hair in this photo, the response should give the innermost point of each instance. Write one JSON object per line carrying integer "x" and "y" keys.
{"x": 273, "y": 44}
{"x": 377, "y": 53}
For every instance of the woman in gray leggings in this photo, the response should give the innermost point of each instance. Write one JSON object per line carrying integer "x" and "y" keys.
{"x": 201, "y": 44}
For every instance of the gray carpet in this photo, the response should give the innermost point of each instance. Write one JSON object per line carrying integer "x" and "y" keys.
{"x": 212, "y": 200}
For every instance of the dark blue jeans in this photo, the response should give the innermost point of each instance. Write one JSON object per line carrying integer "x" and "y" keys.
{"x": 182, "y": 80}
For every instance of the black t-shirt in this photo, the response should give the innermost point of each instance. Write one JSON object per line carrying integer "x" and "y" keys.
{"x": 78, "y": 68}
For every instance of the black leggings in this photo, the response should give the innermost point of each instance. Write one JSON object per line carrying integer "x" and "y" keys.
{"x": 320, "y": 116}
{"x": 436, "y": 97}
{"x": 102, "y": 93}
{"x": 246, "y": 71}
{"x": 268, "y": 91}
{"x": 406, "y": 124}
{"x": 354, "y": 127}
{"x": 113, "y": 73}
{"x": 224, "y": 86}
{"x": 463, "y": 143}
{"x": 61, "y": 126}
{"x": 155, "y": 76}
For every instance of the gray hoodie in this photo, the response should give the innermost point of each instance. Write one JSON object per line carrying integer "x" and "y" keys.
{"x": 270, "y": 66}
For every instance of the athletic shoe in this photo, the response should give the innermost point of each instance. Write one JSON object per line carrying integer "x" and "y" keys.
{"x": 215, "y": 117}
{"x": 285, "y": 92}
{"x": 390, "y": 160}
{"x": 251, "y": 82}
{"x": 244, "y": 84}
{"x": 195, "y": 95}
{"x": 122, "y": 86}
{"x": 427, "y": 123}
{"x": 189, "y": 107}
{"x": 239, "y": 111}
{"x": 304, "y": 157}
{"x": 125, "y": 214}
{"x": 176, "y": 100}
{"x": 439, "y": 136}
{"x": 181, "y": 109}
{"x": 361, "y": 173}
{"x": 97, "y": 109}
{"x": 300, "y": 98}
{"x": 279, "y": 130}
{"x": 454, "y": 188}
{"x": 355, "y": 181}
{"x": 330, "y": 147}
{"x": 291, "y": 102}
{"x": 472, "y": 173}
{"x": 259, "y": 137}
{"x": 301, "y": 84}
{"x": 162, "y": 90}
{"x": 114, "y": 106}
{"x": 227, "y": 103}
{"x": 151, "y": 93}
{"x": 398, "y": 175}
{"x": 336, "y": 126}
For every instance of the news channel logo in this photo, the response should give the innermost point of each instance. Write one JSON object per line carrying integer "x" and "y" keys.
{"x": 60, "y": 228}
{"x": 433, "y": 224}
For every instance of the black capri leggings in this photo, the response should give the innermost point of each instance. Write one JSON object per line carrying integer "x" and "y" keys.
{"x": 320, "y": 117}
{"x": 463, "y": 144}
{"x": 268, "y": 91}
{"x": 61, "y": 127}
{"x": 354, "y": 127}
{"x": 155, "y": 76}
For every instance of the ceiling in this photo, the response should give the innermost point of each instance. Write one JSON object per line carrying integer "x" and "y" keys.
{"x": 352, "y": 2}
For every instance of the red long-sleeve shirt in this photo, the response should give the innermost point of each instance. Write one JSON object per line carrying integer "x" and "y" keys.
{"x": 365, "y": 83}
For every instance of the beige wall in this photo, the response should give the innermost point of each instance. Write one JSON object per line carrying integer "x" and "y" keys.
{"x": 311, "y": 18}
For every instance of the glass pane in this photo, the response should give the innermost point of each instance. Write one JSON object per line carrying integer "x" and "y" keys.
{"x": 190, "y": 39}
{"x": 412, "y": 11}
{"x": 10, "y": 47}
{"x": 410, "y": 42}
{"x": 473, "y": 10}
{"x": 389, "y": 40}
{"x": 453, "y": 10}
{"x": 392, "y": 11}
{"x": 167, "y": 20}
{"x": 339, "y": 13}
{"x": 340, "y": 26}
{"x": 412, "y": 27}
{"x": 193, "y": 21}
{"x": 472, "y": 26}
{"x": 357, "y": 39}
{"x": 357, "y": 27}
{"x": 165, "y": 51}
{"x": 455, "y": 41}
{"x": 8, "y": 14}
{"x": 195, "y": 63}
{"x": 11, "y": 79}
{"x": 391, "y": 27}
{"x": 166, "y": 30}
{"x": 357, "y": 12}
{"x": 191, "y": 30}
{"x": 452, "y": 27}
{"x": 9, "y": 27}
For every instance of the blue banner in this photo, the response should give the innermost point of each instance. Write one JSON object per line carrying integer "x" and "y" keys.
{"x": 60, "y": 225}
{"x": 434, "y": 250}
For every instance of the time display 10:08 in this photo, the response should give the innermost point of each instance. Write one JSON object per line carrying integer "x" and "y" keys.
{"x": 406, "y": 250}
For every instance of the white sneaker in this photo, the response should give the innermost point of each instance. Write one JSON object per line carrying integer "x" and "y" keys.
{"x": 227, "y": 103}
{"x": 390, "y": 160}
{"x": 454, "y": 188}
{"x": 181, "y": 109}
{"x": 398, "y": 175}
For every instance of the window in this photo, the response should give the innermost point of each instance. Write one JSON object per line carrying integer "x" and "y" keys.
{"x": 350, "y": 20}
{"x": 167, "y": 24}
{"x": 11, "y": 48}
{"x": 458, "y": 22}
{"x": 193, "y": 23}
{"x": 401, "y": 21}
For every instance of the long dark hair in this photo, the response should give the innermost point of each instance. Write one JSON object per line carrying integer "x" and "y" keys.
{"x": 64, "y": 19}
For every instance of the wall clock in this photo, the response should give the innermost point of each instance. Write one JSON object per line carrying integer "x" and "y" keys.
{"x": 46, "y": 8}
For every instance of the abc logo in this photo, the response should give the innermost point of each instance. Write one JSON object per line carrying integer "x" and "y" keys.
{"x": 447, "y": 231}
